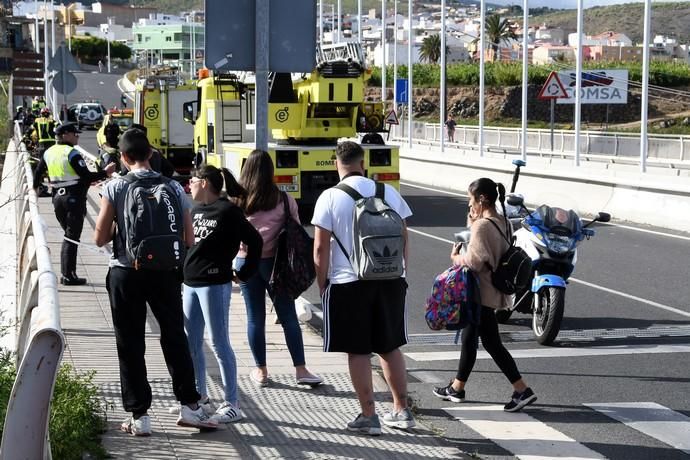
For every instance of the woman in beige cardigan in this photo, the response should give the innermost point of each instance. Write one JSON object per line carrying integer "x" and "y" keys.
{"x": 487, "y": 244}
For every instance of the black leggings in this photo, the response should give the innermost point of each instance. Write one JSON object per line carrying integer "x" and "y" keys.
{"x": 488, "y": 331}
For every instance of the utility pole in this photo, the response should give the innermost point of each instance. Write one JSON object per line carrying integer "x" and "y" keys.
{"x": 52, "y": 50}
{"x": 45, "y": 50}
{"x": 442, "y": 94}
{"x": 383, "y": 53}
{"x": 107, "y": 35}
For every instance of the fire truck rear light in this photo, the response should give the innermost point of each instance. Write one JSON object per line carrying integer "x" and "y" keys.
{"x": 386, "y": 176}
{"x": 284, "y": 179}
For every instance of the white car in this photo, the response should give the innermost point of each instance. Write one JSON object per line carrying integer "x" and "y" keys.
{"x": 89, "y": 114}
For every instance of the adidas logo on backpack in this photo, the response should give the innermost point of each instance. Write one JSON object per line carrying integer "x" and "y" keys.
{"x": 378, "y": 241}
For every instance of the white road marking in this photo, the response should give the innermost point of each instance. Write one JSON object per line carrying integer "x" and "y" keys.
{"x": 627, "y": 227}
{"x": 556, "y": 352}
{"x": 644, "y": 230}
{"x": 652, "y": 419}
{"x": 525, "y": 437}
{"x": 632, "y": 297}
{"x": 433, "y": 237}
{"x": 447, "y": 192}
{"x": 585, "y": 283}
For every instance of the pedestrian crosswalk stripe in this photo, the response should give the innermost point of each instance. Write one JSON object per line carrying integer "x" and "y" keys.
{"x": 652, "y": 419}
{"x": 524, "y": 436}
{"x": 555, "y": 352}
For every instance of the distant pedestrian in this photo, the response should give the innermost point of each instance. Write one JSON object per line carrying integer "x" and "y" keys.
{"x": 219, "y": 227}
{"x": 100, "y": 66}
{"x": 134, "y": 280}
{"x": 361, "y": 316}
{"x": 486, "y": 246}
{"x": 263, "y": 206}
{"x": 450, "y": 128}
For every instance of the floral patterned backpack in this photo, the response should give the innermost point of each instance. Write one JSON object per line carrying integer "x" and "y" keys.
{"x": 453, "y": 300}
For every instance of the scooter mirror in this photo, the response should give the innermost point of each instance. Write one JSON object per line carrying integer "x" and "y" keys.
{"x": 603, "y": 217}
{"x": 519, "y": 163}
{"x": 515, "y": 200}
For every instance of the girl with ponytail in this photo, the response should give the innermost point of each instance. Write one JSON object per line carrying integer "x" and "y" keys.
{"x": 488, "y": 242}
{"x": 219, "y": 227}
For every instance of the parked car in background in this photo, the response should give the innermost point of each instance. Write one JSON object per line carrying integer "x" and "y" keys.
{"x": 86, "y": 114}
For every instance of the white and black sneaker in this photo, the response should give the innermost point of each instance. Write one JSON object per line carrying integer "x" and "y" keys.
{"x": 520, "y": 400}
{"x": 448, "y": 393}
{"x": 228, "y": 413}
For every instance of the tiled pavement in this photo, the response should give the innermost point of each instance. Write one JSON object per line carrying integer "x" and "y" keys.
{"x": 283, "y": 421}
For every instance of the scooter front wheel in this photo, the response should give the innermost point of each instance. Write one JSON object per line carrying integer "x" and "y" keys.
{"x": 547, "y": 317}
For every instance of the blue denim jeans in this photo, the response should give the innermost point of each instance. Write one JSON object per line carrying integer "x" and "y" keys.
{"x": 210, "y": 305}
{"x": 254, "y": 293}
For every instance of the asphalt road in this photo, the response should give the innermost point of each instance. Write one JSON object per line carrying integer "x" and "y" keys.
{"x": 624, "y": 344}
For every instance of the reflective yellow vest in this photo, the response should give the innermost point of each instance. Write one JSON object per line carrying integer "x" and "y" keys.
{"x": 61, "y": 173}
{"x": 43, "y": 129}
{"x": 38, "y": 104}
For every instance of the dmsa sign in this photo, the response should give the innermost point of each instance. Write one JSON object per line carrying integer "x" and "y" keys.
{"x": 598, "y": 86}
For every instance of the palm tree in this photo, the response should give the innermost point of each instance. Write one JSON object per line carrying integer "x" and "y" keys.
{"x": 498, "y": 31}
{"x": 430, "y": 51}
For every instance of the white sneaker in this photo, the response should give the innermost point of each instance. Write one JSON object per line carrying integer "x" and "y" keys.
{"x": 137, "y": 427}
{"x": 195, "y": 418}
{"x": 205, "y": 404}
{"x": 227, "y": 413}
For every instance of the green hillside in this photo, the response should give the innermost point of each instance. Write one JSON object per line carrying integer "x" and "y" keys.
{"x": 670, "y": 19}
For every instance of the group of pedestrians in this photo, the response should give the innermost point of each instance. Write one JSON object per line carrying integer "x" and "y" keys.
{"x": 230, "y": 234}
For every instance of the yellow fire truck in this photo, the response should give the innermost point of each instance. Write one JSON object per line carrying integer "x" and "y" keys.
{"x": 307, "y": 115}
{"x": 157, "y": 103}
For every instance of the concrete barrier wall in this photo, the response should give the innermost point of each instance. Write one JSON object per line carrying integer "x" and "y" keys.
{"x": 659, "y": 198}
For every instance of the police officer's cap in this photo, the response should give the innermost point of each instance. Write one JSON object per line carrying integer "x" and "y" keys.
{"x": 67, "y": 128}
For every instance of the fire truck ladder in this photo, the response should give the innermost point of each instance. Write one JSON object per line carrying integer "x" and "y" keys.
{"x": 340, "y": 60}
{"x": 230, "y": 94}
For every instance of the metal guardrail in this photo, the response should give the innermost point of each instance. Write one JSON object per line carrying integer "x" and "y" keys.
{"x": 40, "y": 341}
{"x": 664, "y": 150}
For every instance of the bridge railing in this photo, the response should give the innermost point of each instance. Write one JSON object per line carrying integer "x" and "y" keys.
{"x": 40, "y": 341}
{"x": 663, "y": 149}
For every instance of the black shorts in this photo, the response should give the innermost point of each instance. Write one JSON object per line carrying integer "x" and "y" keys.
{"x": 365, "y": 317}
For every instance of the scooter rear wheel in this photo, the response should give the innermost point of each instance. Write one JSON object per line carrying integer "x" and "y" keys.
{"x": 547, "y": 318}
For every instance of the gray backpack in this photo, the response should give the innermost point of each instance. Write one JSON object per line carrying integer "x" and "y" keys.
{"x": 378, "y": 242}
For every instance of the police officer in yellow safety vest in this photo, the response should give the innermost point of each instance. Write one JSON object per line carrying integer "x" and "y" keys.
{"x": 44, "y": 131}
{"x": 70, "y": 180}
{"x": 38, "y": 104}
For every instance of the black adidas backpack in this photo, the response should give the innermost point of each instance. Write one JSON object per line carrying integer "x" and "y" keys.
{"x": 514, "y": 270}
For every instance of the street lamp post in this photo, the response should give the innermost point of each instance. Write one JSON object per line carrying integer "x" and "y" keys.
{"x": 107, "y": 37}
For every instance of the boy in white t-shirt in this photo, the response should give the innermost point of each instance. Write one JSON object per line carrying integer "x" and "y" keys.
{"x": 374, "y": 309}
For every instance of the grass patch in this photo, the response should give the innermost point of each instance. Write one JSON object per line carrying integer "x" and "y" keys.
{"x": 77, "y": 412}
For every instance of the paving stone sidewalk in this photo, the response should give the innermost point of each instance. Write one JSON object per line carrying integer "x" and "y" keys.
{"x": 283, "y": 420}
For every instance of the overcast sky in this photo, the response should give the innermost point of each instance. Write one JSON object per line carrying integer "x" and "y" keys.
{"x": 569, "y": 3}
